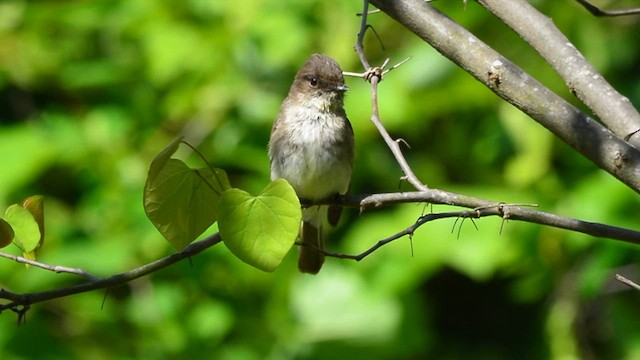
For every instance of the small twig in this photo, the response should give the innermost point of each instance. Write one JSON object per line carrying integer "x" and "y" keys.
{"x": 359, "y": 47}
{"x": 396, "y": 65}
{"x": 596, "y": 11}
{"x": 628, "y": 282}
{"x": 377, "y": 71}
{"x": 55, "y": 268}
{"x": 374, "y": 75}
{"x": 392, "y": 144}
{"x": 409, "y": 231}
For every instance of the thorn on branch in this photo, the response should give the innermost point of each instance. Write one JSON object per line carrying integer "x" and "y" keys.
{"x": 396, "y": 65}
{"x": 466, "y": 215}
{"x": 376, "y": 71}
{"x": 403, "y": 141}
{"x": 369, "y": 12}
{"x": 628, "y": 137}
{"x": 474, "y": 223}
{"x": 402, "y": 179}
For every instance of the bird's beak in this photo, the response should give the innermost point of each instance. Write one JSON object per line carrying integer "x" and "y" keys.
{"x": 342, "y": 88}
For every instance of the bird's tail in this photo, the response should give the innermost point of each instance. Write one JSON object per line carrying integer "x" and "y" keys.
{"x": 310, "y": 260}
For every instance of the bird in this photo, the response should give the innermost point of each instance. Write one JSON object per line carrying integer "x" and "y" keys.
{"x": 312, "y": 147}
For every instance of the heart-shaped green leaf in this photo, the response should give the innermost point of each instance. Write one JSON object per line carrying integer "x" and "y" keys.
{"x": 260, "y": 230}
{"x": 25, "y": 227}
{"x": 6, "y": 233}
{"x": 182, "y": 202}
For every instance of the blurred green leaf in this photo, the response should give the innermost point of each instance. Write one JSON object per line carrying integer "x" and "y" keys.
{"x": 35, "y": 205}
{"x": 6, "y": 233}
{"x": 533, "y": 145}
{"x": 27, "y": 232}
{"x": 260, "y": 230}
{"x": 84, "y": 97}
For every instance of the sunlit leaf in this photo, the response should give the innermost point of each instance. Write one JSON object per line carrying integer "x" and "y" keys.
{"x": 182, "y": 202}
{"x": 35, "y": 205}
{"x": 260, "y": 230}
{"x": 6, "y": 233}
{"x": 27, "y": 232}
{"x": 161, "y": 159}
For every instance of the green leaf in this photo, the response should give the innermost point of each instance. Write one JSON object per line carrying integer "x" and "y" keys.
{"x": 35, "y": 205}
{"x": 6, "y": 233}
{"x": 261, "y": 229}
{"x": 182, "y": 202}
{"x": 161, "y": 159}
{"x": 27, "y": 232}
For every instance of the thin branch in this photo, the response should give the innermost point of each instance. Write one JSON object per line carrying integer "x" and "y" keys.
{"x": 392, "y": 144}
{"x": 55, "y": 268}
{"x": 506, "y": 212}
{"x": 508, "y": 81}
{"x": 518, "y": 212}
{"x": 19, "y": 301}
{"x": 360, "y": 42}
{"x": 628, "y": 282}
{"x": 374, "y": 75}
{"x": 596, "y": 11}
{"x": 582, "y": 78}
{"x": 406, "y": 232}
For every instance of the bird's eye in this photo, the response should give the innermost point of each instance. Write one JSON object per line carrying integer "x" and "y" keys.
{"x": 313, "y": 82}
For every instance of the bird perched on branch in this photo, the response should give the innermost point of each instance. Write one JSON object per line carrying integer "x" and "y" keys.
{"x": 311, "y": 146}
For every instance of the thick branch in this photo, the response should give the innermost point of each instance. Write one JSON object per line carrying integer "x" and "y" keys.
{"x": 614, "y": 109}
{"x": 511, "y": 83}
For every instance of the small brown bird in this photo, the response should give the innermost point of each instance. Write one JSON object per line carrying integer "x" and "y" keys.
{"x": 311, "y": 146}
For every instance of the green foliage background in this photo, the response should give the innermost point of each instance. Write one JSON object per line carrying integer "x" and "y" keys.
{"x": 90, "y": 91}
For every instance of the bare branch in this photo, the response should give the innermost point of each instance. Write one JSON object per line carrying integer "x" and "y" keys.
{"x": 21, "y": 301}
{"x": 599, "y": 12}
{"x": 55, "y": 268}
{"x": 374, "y": 75}
{"x": 628, "y": 282}
{"x": 583, "y": 80}
{"x": 406, "y": 232}
{"x": 485, "y": 208}
{"x": 391, "y": 143}
{"x": 505, "y": 211}
{"x": 359, "y": 43}
{"x": 478, "y": 208}
{"x": 511, "y": 83}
